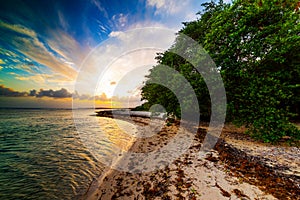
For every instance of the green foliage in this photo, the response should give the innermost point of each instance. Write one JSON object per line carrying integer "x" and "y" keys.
{"x": 155, "y": 93}
{"x": 273, "y": 127}
{"x": 256, "y": 46}
{"x": 144, "y": 107}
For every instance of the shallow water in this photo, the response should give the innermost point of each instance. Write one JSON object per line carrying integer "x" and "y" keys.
{"x": 43, "y": 156}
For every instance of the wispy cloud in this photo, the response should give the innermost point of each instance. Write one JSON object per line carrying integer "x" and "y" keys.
{"x": 63, "y": 22}
{"x": 8, "y": 53}
{"x": 157, "y": 3}
{"x": 100, "y": 8}
{"x": 38, "y": 78}
{"x": 35, "y": 50}
{"x": 30, "y": 46}
{"x": 13, "y": 73}
{"x": 173, "y": 12}
{"x": 44, "y": 80}
{"x": 28, "y": 68}
{"x": 67, "y": 47}
{"x": 168, "y": 6}
{"x": 18, "y": 29}
{"x": 1, "y": 61}
{"x": 120, "y": 21}
{"x": 103, "y": 28}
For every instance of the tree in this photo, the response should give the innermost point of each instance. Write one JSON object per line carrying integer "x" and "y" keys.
{"x": 256, "y": 45}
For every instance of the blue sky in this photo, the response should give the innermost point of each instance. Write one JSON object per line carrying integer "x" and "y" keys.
{"x": 43, "y": 43}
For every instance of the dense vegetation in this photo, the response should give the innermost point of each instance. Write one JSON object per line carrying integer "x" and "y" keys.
{"x": 256, "y": 47}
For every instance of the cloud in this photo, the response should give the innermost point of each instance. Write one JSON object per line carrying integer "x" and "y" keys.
{"x": 38, "y": 78}
{"x": 27, "y": 42}
{"x": 70, "y": 51}
{"x": 35, "y": 50}
{"x": 102, "y": 97}
{"x": 43, "y": 80}
{"x": 32, "y": 102}
{"x": 32, "y": 93}
{"x": 18, "y": 28}
{"x": 102, "y": 27}
{"x": 169, "y": 6}
{"x": 76, "y": 95}
{"x": 1, "y": 61}
{"x": 115, "y": 33}
{"x": 171, "y": 12}
{"x": 54, "y": 98}
{"x": 29, "y": 67}
{"x": 63, "y": 22}
{"x": 156, "y": 3}
{"x": 13, "y": 73}
{"x": 8, "y": 92}
{"x": 8, "y": 53}
{"x": 62, "y": 93}
{"x": 100, "y": 8}
{"x": 120, "y": 20}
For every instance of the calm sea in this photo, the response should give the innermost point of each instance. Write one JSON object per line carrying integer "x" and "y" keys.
{"x": 43, "y": 157}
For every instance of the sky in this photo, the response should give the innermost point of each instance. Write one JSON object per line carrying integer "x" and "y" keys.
{"x": 45, "y": 47}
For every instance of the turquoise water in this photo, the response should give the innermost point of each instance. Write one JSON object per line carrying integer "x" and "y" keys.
{"x": 42, "y": 156}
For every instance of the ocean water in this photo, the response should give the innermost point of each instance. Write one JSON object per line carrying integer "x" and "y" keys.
{"x": 44, "y": 157}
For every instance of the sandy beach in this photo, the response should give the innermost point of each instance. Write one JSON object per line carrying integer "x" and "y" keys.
{"x": 238, "y": 168}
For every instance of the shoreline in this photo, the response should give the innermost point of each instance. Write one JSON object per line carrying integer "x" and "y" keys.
{"x": 188, "y": 175}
